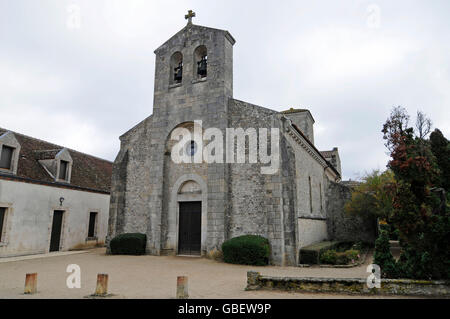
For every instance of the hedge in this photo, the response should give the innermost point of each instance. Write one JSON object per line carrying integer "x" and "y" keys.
{"x": 247, "y": 250}
{"x": 333, "y": 257}
{"x": 311, "y": 254}
{"x": 128, "y": 244}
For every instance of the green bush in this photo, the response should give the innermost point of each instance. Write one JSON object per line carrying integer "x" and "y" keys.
{"x": 311, "y": 254}
{"x": 128, "y": 244}
{"x": 328, "y": 257}
{"x": 308, "y": 257}
{"x": 352, "y": 255}
{"x": 333, "y": 257}
{"x": 247, "y": 250}
{"x": 392, "y": 231}
{"x": 383, "y": 256}
{"x": 342, "y": 258}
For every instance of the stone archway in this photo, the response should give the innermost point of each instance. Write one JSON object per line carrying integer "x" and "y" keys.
{"x": 188, "y": 188}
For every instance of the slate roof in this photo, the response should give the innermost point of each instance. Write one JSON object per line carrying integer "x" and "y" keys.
{"x": 88, "y": 172}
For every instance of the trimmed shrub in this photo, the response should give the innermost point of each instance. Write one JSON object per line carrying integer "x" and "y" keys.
{"x": 247, "y": 250}
{"x": 328, "y": 257}
{"x": 342, "y": 258}
{"x": 128, "y": 244}
{"x": 332, "y": 257}
{"x": 311, "y": 254}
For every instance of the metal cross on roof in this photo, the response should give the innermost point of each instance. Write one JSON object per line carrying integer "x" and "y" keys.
{"x": 189, "y": 16}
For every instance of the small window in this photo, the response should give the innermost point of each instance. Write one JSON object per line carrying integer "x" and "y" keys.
{"x": 191, "y": 148}
{"x": 321, "y": 198}
{"x": 310, "y": 195}
{"x": 63, "y": 170}
{"x": 2, "y": 221}
{"x": 92, "y": 224}
{"x": 6, "y": 157}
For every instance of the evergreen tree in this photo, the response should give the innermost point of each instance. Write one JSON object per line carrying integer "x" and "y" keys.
{"x": 383, "y": 256}
{"x": 440, "y": 147}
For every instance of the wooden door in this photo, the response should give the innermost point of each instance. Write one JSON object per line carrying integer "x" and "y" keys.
{"x": 190, "y": 228}
{"x": 55, "y": 238}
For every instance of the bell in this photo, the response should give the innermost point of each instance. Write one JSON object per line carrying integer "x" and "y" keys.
{"x": 178, "y": 74}
{"x": 202, "y": 67}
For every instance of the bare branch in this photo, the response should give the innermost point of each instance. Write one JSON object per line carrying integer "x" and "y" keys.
{"x": 423, "y": 125}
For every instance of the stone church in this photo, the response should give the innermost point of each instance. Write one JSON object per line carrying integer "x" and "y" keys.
{"x": 192, "y": 208}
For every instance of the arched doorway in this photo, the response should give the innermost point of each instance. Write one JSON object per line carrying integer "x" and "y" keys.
{"x": 189, "y": 210}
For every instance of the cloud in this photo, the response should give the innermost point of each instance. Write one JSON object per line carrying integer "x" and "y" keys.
{"x": 84, "y": 87}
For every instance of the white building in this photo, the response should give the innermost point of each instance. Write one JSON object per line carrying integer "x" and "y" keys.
{"x": 51, "y": 198}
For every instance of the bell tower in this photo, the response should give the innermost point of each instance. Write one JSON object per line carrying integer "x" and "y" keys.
{"x": 194, "y": 68}
{"x": 193, "y": 82}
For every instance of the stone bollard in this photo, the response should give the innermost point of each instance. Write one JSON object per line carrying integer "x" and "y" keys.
{"x": 102, "y": 285}
{"x": 30, "y": 284}
{"x": 252, "y": 280}
{"x": 182, "y": 287}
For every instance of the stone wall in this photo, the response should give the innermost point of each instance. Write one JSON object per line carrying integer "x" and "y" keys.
{"x": 311, "y": 231}
{"x": 348, "y": 286}
{"x": 342, "y": 227}
{"x": 261, "y": 204}
{"x": 310, "y": 182}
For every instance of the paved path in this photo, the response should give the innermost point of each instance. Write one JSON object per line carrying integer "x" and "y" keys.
{"x": 153, "y": 277}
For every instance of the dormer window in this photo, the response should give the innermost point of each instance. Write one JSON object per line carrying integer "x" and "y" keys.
{"x": 58, "y": 163}
{"x": 63, "y": 166}
{"x": 6, "y": 157}
{"x": 9, "y": 153}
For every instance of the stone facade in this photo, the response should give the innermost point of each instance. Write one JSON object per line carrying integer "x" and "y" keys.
{"x": 236, "y": 199}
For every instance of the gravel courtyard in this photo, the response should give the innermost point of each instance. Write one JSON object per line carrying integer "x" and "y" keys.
{"x": 153, "y": 277}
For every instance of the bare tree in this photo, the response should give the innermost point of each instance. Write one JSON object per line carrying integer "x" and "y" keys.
{"x": 423, "y": 125}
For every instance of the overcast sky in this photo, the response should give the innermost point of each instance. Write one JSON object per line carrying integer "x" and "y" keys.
{"x": 83, "y": 82}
